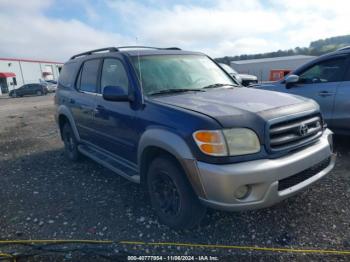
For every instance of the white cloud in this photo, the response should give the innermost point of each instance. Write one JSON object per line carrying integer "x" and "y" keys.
{"x": 236, "y": 27}
{"x": 223, "y": 27}
{"x": 27, "y": 33}
{"x": 18, "y": 6}
{"x": 227, "y": 24}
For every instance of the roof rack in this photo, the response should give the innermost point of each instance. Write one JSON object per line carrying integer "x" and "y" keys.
{"x": 344, "y": 48}
{"x": 116, "y": 49}
{"x": 109, "y": 49}
{"x": 148, "y": 47}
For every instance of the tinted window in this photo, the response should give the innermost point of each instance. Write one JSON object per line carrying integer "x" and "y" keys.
{"x": 66, "y": 75}
{"x": 88, "y": 81}
{"x": 114, "y": 74}
{"x": 37, "y": 86}
{"x": 324, "y": 72}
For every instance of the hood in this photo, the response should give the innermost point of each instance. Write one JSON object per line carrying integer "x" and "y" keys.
{"x": 238, "y": 103}
{"x": 248, "y": 77}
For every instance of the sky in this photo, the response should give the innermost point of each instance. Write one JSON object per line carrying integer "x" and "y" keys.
{"x": 58, "y": 29}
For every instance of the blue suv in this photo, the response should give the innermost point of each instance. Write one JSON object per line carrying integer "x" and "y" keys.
{"x": 177, "y": 123}
{"x": 326, "y": 80}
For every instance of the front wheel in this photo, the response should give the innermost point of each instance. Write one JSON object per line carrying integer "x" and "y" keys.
{"x": 14, "y": 95}
{"x": 70, "y": 143}
{"x": 172, "y": 197}
{"x": 39, "y": 93}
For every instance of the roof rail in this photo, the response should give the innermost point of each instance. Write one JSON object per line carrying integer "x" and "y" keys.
{"x": 109, "y": 49}
{"x": 148, "y": 47}
{"x": 116, "y": 49}
{"x": 344, "y": 48}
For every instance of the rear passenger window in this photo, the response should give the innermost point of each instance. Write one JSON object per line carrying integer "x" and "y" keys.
{"x": 88, "y": 81}
{"x": 66, "y": 75}
{"x": 114, "y": 74}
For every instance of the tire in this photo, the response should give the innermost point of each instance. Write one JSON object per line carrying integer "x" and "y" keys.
{"x": 171, "y": 195}
{"x": 70, "y": 143}
{"x": 14, "y": 95}
{"x": 39, "y": 93}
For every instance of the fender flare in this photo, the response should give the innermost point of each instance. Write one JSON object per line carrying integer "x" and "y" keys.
{"x": 176, "y": 146}
{"x": 166, "y": 140}
{"x": 63, "y": 110}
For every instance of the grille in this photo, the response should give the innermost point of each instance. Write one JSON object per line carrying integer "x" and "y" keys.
{"x": 303, "y": 175}
{"x": 295, "y": 132}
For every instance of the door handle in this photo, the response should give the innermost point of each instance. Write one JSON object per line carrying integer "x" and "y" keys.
{"x": 99, "y": 108}
{"x": 325, "y": 93}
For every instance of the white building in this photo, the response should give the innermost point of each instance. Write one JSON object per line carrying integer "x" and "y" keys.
{"x": 262, "y": 67}
{"x": 17, "y": 72}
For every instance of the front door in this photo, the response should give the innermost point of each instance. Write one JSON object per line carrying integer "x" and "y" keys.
{"x": 341, "y": 114}
{"x": 114, "y": 120}
{"x": 320, "y": 82}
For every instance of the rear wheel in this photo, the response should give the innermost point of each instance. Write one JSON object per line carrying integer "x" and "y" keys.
{"x": 70, "y": 143}
{"x": 39, "y": 93}
{"x": 172, "y": 197}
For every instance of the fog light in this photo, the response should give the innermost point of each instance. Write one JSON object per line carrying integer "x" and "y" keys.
{"x": 242, "y": 192}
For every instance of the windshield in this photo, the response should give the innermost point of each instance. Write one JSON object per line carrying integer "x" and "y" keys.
{"x": 160, "y": 73}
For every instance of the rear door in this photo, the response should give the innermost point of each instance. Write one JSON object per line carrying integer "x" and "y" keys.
{"x": 341, "y": 115}
{"x": 320, "y": 82}
{"x": 36, "y": 88}
{"x": 28, "y": 89}
{"x": 82, "y": 103}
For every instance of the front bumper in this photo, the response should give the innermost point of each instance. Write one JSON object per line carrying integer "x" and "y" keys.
{"x": 219, "y": 182}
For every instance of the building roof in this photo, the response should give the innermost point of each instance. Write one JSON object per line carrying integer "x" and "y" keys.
{"x": 273, "y": 59}
{"x": 29, "y": 60}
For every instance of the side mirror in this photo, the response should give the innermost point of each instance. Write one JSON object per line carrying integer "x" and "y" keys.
{"x": 291, "y": 80}
{"x": 115, "y": 93}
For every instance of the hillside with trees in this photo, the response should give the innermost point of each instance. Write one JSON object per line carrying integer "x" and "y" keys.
{"x": 315, "y": 48}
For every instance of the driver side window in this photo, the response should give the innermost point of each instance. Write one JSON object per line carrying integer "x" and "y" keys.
{"x": 114, "y": 74}
{"x": 324, "y": 72}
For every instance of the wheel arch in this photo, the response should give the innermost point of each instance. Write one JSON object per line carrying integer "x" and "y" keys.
{"x": 65, "y": 116}
{"x": 156, "y": 142}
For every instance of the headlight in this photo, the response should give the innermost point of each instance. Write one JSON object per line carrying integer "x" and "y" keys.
{"x": 227, "y": 142}
{"x": 241, "y": 141}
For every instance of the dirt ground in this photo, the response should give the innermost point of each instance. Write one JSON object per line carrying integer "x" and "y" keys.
{"x": 44, "y": 196}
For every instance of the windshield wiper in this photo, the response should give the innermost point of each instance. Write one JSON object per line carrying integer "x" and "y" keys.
{"x": 218, "y": 85}
{"x": 175, "y": 90}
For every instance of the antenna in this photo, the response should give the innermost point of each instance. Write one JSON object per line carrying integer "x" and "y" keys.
{"x": 138, "y": 59}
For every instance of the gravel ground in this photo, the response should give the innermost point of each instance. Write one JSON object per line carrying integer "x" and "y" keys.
{"x": 44, "y": 196}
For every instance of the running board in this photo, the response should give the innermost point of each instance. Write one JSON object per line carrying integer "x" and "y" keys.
{"x": 110, "y": 163}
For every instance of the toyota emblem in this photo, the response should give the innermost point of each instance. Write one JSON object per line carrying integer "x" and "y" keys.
{"x": 303, "y": 130}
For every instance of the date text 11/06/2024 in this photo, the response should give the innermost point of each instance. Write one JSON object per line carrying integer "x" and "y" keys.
{"x": 173, "y": 258}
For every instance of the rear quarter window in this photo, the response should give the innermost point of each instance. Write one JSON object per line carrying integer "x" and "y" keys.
{"x": 66, "y": 75}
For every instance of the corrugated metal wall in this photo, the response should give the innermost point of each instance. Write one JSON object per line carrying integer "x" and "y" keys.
{"x": 262, "y": 69}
